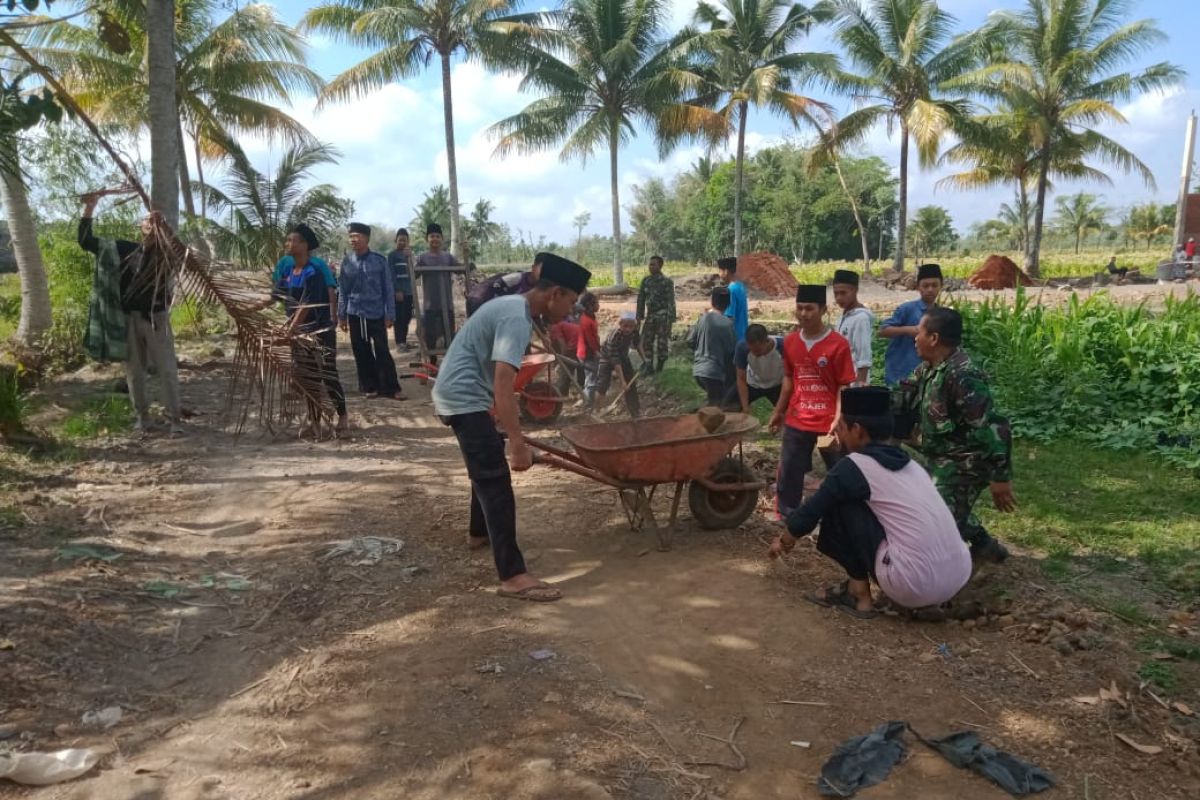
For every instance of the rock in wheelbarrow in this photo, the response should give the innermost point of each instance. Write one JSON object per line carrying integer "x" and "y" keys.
{"x": 711, "y": 418}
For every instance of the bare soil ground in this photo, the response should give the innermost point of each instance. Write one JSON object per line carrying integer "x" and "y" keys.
{"x": 247, "y": 666}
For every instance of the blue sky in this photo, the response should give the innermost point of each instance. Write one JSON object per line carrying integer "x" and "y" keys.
{"x": 393, "y": 145}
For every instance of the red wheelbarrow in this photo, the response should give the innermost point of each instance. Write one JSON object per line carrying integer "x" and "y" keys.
{"x": 537, "y": 400}
{"x": 637, "y": 456}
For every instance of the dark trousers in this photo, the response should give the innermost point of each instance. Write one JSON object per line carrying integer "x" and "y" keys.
{"x": 733, "y": 402}
{"x": 333, "y": 383}
{"x": 434, "y": 328}
{"x": 850, "y": 535}
{"x": 376, "y": 369}
{"x": 493, "y": 507}
{"x": 404, "y": 315}
{"x": 714, "y": 389}
{"x": 795, "y": 461}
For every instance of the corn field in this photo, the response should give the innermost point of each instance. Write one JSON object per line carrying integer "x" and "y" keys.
{"x": 1119, "y": 376}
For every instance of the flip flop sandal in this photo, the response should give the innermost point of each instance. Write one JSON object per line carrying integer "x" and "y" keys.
{"x": 832, "y": 593}
{"x": 538, "y": 593}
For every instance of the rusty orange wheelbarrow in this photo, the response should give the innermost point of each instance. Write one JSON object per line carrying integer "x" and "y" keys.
{"x": 537, "y": 400}
{"x": 637, "y": 456}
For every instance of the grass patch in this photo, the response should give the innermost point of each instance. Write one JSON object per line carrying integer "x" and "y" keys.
{"x": 102, "y": 417}
{"x": 1159, "y": 674}
{"x": 1107, "y": 507}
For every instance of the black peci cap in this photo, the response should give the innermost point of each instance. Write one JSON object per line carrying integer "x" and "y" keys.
{"x": 866, "y": 401}
{"x": 358, "y": 227}
{"x": 565, "y": 273}
{"x": 847, "y": 276}
{"x": 929, "y": 271}
{"x": 811, "y": 293}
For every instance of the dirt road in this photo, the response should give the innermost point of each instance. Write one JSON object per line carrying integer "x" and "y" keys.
{"x": 248, "y": 666}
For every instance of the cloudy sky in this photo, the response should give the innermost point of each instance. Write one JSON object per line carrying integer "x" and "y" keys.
{"x": 393, "y": 145}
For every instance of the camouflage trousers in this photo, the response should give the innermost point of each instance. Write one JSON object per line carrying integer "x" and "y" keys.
{"x": 960, "y": 489}
{"x": 656, "y": 339}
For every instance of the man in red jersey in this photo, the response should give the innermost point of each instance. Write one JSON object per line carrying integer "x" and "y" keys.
{"x": 817, "y": 365}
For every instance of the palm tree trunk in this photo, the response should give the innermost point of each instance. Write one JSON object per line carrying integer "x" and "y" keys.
{"x": 1078, "y": 236}
{"x": 614, "y": 145}
{"x": 1023, "y": 210}
{"x": 163, "y": 109}
{"x": 35, "y": 289}
{"x": 862, "y": 231}
{"x": 185, "y": 179}
{"x": 902, "y": 210}
{"x": 1032, "y": 265}
{"x": 743, "y": 107}
{"x": 200, "y": 178}
{"x": 451, "y": 159}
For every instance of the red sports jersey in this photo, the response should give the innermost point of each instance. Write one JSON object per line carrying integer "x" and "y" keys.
{"x": 588, "y": 344}
{"x": 818, "y": 375}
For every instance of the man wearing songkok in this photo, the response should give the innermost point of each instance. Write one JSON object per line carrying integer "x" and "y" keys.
{"x": 476, "y": 375}
{"x": 857, "y": 323}
{"x": 901, "y": 327}
{"x": 817, "y": 365}
{"x": 367, "y": 309}
{"x": 880, "y": 517}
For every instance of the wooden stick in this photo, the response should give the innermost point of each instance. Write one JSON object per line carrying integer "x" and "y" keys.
{"x": 266, "y": 615}
{"x": 729, "y": 742}
{"x": 797, "y": 703}
{"x": 1028, "y": 668}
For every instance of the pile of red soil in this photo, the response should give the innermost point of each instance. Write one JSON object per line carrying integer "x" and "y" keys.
{"x": 767, "y": 273}
{"x": 999, "y": 272}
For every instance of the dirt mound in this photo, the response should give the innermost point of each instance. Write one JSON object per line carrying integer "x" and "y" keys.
{"x": 768, "y": 273}
{"x": 999, "y": 272}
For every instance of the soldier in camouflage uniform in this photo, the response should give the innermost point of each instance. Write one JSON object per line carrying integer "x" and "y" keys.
{"x": 655, "y": 314}
{"x": 966, "y": 443}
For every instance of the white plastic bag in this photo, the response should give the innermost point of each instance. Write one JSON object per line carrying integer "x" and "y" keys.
{"x": 43, "y": 769}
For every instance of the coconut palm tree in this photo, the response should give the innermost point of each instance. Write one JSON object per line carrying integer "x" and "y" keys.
{"x": 261, "y": 208}
{"x": 434, "y": 209}
{"x": 480, "y": 228}
{"x": 231, "y": 77}
{"x": 904, "y": 53}
{"x": 745, "y": 55}
{"x": 405, "y": 36}
{"x": 1079, "y": 215}
{"x": 1059, "y": 63}
{"x": 601, "y": 68}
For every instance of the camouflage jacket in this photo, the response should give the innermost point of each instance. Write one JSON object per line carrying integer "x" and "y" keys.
{"x": 656, "y": 297}
{"x": 960, "y": 427}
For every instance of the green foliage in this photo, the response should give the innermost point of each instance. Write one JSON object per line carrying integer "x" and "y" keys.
{"x": 931, "y": 232}
{"x": 1125, "y": 377}
{"x": 12, "y": 403}
{"x": 104, "y": 417}
{"x": 789, "y": 208}
{"x": 1160, "y": 674}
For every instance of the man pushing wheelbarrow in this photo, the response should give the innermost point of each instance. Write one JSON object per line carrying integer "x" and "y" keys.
{"x": 478, "y": 371}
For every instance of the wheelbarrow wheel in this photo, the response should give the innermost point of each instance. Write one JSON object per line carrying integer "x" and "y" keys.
{"x": 539, "y": 403}
{"x": 716, "y": 510}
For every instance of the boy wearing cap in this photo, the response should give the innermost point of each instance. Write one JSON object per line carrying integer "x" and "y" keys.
{"x": 739, "y": 307}
{"x": 880, "y": 517}
{"x": 367, "y": 308}
{"x": 476, "y": 374}
{"x": 398, "y": 260}
{"x": 613, "y": 353}
{"x": 437, "y": 298}
{"x": 712, "y": 339}
{"x": 857, "y": 323}
{"x": 901, "y": 327}
{"x": 817, "y": 365}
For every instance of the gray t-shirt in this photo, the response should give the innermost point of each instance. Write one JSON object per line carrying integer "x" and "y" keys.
{"x": 498, "y": 332}
{"x": 713, "y": 339}
{"x": 762, "y": 372}
{"x": 436, "y": 292}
